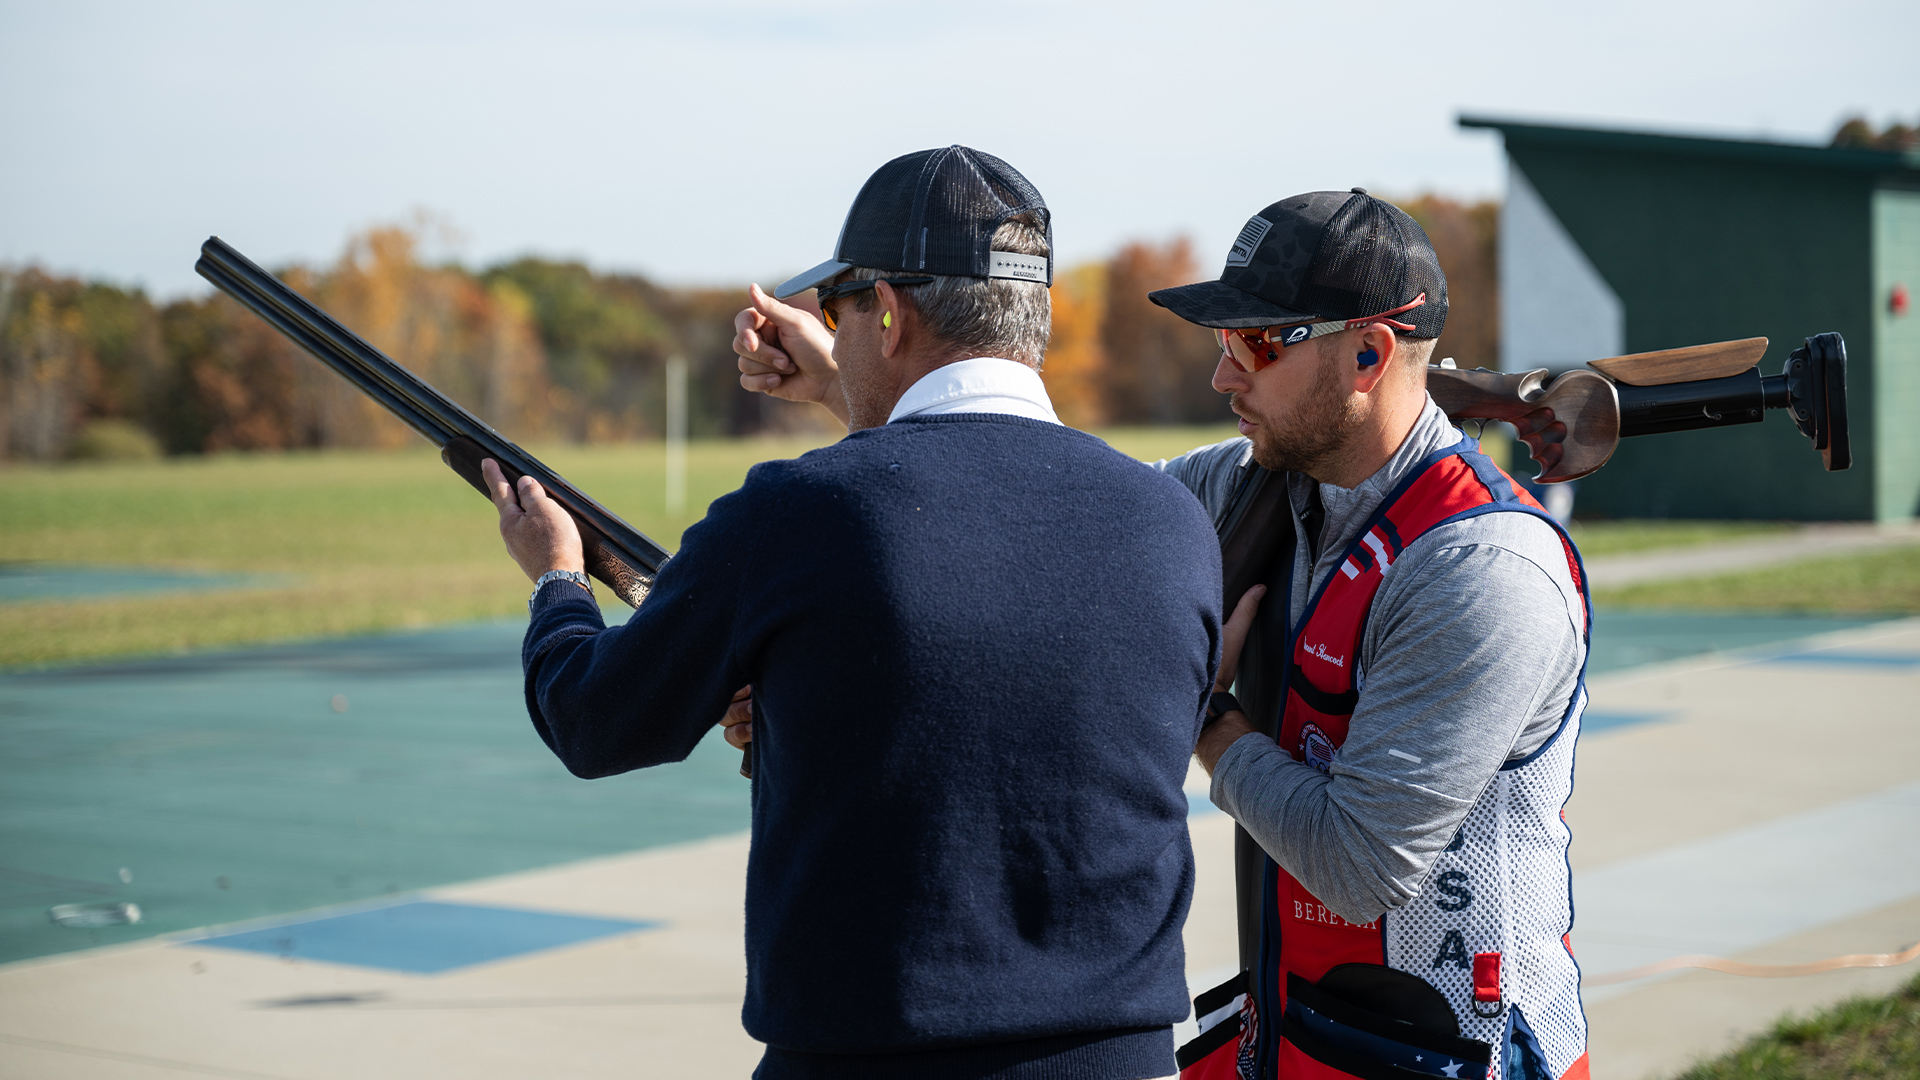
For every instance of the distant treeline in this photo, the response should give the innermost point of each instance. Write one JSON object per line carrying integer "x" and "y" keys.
{"x": 539, "y": 349}
{"x": 554, "y": 350}
{"x": 1858, "y": 133}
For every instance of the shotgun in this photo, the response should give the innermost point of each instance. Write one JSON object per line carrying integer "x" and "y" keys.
{"x": 1572, "y": 424}
{"x": 619, "y": 555}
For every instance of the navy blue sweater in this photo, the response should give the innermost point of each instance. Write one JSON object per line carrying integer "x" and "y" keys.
{"x": 980, "y": 647}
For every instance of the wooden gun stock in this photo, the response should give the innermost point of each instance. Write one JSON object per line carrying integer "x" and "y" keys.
{"x": 1570, "y": 426}
{"x": 1572, "y": 423}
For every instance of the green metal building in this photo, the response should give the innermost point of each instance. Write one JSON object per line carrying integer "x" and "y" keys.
{"x": 1618, "y": 242}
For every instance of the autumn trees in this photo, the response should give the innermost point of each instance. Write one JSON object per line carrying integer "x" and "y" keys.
{"x": 1117, "y": 358}
{"x": 71, "y": 354}
{"x": 539, "y": 349}
{"x": 546, "y": 349}
{"x": 1466, "y": 237}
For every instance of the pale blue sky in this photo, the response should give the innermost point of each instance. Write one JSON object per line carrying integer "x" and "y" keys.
{"x": 721, "y": 142}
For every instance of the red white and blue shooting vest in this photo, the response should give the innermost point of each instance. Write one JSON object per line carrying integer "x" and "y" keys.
{"x": 1487, "y": 936}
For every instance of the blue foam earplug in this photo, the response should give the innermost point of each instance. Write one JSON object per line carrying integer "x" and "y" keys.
{"x": 1368, "y": 358}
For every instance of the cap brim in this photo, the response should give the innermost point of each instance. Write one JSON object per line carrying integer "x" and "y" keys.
{"x": 1221, "y": 306}
{"x": 811, "y": 279}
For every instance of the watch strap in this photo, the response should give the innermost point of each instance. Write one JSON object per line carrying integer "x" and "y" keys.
{"x": 1222, "y": 703}
{"x": 551, "y": 576}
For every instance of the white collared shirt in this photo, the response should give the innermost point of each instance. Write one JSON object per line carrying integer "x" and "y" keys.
{"x": 984, "y": 384}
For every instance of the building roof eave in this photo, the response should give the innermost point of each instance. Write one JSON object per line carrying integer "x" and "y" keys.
{"x": 1519, "y": 133}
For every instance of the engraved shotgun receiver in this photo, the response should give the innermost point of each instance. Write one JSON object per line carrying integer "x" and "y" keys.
{"x": 1572, "y": 423}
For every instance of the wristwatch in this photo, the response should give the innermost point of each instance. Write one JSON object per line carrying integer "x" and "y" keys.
{"x": 1220, "y": 704}
{"x": 574, "y": 576}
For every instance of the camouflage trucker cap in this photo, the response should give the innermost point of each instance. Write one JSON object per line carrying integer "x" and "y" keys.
{"x": 1320, "y": 257}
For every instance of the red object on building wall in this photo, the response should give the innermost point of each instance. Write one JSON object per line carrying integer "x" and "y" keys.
{"x": 1897, "y": 300}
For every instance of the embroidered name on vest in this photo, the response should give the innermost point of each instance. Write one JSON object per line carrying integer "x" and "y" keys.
{"x": 1320, "y": 651}
{"x": 1308, "y": 911}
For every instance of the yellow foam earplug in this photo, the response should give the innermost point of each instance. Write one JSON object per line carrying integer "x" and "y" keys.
{"x": 886, "y": 320}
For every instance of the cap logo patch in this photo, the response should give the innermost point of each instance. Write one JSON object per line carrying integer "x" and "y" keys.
{"x": 1006, "y": 264}
{"x": 1296, "y": 335}
{"x": 1249, "y": 238}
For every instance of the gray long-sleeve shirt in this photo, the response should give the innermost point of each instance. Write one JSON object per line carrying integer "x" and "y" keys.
{"x": 1470, "y": 658}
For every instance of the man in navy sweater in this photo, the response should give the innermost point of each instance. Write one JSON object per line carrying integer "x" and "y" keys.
{"x": 978, "y": 643}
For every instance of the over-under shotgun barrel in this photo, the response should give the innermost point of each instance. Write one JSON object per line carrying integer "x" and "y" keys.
{"x": 618, "y": 554}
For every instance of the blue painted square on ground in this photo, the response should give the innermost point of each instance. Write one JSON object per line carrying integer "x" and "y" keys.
{"x": 424, "y": 937}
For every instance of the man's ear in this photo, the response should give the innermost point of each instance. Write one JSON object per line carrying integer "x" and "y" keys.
{"x": 1374, "y": 351}
{"x": 893, "y": 320}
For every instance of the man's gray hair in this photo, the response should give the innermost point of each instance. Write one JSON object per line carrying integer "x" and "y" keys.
{"x": 984, "y": 316}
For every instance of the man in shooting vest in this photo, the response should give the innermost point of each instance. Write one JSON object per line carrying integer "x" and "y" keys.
{"x": 1401, "y": 741}
{"x": 978, "y": 644}
{"x": 1408, "y": 697}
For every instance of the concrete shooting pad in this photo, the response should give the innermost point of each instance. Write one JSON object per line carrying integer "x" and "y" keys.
{"x": 1706, "y": 784}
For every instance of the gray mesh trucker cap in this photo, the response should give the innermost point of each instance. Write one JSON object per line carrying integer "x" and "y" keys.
{"x": 1320, "y": 257}
{"x": 935, "y": 212}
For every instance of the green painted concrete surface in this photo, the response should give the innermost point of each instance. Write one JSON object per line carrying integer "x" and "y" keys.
{"x": 229, "y": 787}
{"x": 50, "y": 581}
{"x": 1628, "y": 639}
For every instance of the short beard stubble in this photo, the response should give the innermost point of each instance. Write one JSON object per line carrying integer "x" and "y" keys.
{"x": 1315, "y": 432}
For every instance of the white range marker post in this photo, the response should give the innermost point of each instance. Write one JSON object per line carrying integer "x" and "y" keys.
{"x": 676, "y": 435}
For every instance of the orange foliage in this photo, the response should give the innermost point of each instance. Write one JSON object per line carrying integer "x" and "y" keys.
{"x": 475, "y": 343}
{"x": 1076, "y": 361}
{"x": 1466, "y": 238}
{"x": 43, "y": 360}
{"x": 1160, "y": 367}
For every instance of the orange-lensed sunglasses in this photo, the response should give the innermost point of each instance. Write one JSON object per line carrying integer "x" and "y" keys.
{"x": 1254, "y": 348}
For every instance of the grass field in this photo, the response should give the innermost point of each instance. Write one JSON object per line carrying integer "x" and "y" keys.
{"x": 360, "y": 542}
{"x": 1599, "y": 539}
{"x": 1865, "y": 1039}
{"x": 1881, "y": 582}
